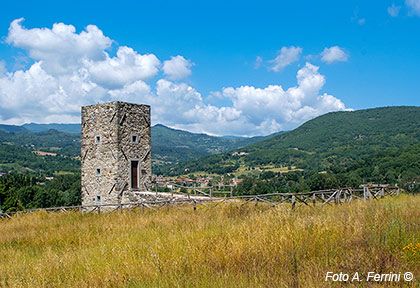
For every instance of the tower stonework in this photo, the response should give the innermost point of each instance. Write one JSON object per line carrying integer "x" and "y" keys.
{"x": 116, "y": 152}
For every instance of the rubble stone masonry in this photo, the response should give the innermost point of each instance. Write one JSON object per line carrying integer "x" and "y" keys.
{"x": 116, "y": 152}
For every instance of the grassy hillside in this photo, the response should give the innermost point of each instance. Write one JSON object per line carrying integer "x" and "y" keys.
{"x": 333, "y": 139}
{"x": 227, "y": 246}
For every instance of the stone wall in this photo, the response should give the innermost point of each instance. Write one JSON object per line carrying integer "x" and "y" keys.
{"x": 107, "y": 131}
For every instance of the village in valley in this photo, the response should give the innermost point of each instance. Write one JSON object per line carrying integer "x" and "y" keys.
{"x": 194, "y": 181}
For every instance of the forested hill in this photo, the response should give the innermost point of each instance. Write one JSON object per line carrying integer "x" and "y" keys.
{"x": 171, "y": 146}
{"x": 12, "y": 128}
{"x": 333, "y": 139}
{"x": 340, "y": 136}
{"x": 34, "y": 127}
{"x": 68, "y": 128}
{"x": 19, "y": 151}
{"x": 51, "y": 141}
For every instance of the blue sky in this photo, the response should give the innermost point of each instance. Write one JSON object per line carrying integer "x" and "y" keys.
{"x": 220, "y": 81}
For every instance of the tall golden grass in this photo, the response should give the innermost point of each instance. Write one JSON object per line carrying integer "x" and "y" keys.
{"x": 225, "y": 246}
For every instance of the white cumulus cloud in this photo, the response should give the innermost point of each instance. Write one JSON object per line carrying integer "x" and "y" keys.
{"x": 254, "y": 110}
{"x": 285, "y": 57}
{"x": 60, "y": 49}
{"x": 273, "y": 108}
{"x": 36, "y": 96}
{"x": 69, "y": 69}
{"x": 60, "y": 80}
{"x": 133, "y": 93}
{"x": 128, "y": 66}
{"x": 334, "y": 54}
{"x": 177, "y": 68}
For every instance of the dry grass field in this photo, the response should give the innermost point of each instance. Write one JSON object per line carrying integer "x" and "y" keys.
{"x": 224, "y": 246}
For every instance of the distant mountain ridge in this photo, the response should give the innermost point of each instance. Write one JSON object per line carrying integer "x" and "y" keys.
{"x": 68, "y": 128}
{"x": 333, "y": 139}
{"x": 12, "y": 128}
{"x": 169, "y": 146}
{"x": 35, "y": 127}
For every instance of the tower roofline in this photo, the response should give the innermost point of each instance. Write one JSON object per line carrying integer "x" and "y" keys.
{"x": 116, "y": 102}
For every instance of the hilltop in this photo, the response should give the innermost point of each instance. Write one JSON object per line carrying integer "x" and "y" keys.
{"x": 68, "y": 128}
{"x": 333, "y": 139}
{"x": 169, "y": 146}
{"x": 329, "y": 141}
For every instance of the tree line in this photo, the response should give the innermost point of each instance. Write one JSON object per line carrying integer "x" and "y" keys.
{"x": 389, "y": 166}
{"x": 20, "y": 192}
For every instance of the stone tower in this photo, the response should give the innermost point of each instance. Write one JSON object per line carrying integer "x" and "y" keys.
{"x": 116, "y": 152}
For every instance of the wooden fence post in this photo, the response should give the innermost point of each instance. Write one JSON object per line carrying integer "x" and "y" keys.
{"x": 337, "y": 196}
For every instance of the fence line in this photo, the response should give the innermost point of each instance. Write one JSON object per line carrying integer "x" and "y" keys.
{"x": 322, "y": 197}
{"x": 200, "y": 190}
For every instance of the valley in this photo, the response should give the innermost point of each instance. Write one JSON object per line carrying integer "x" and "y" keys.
{"x": 339, "y": 149}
